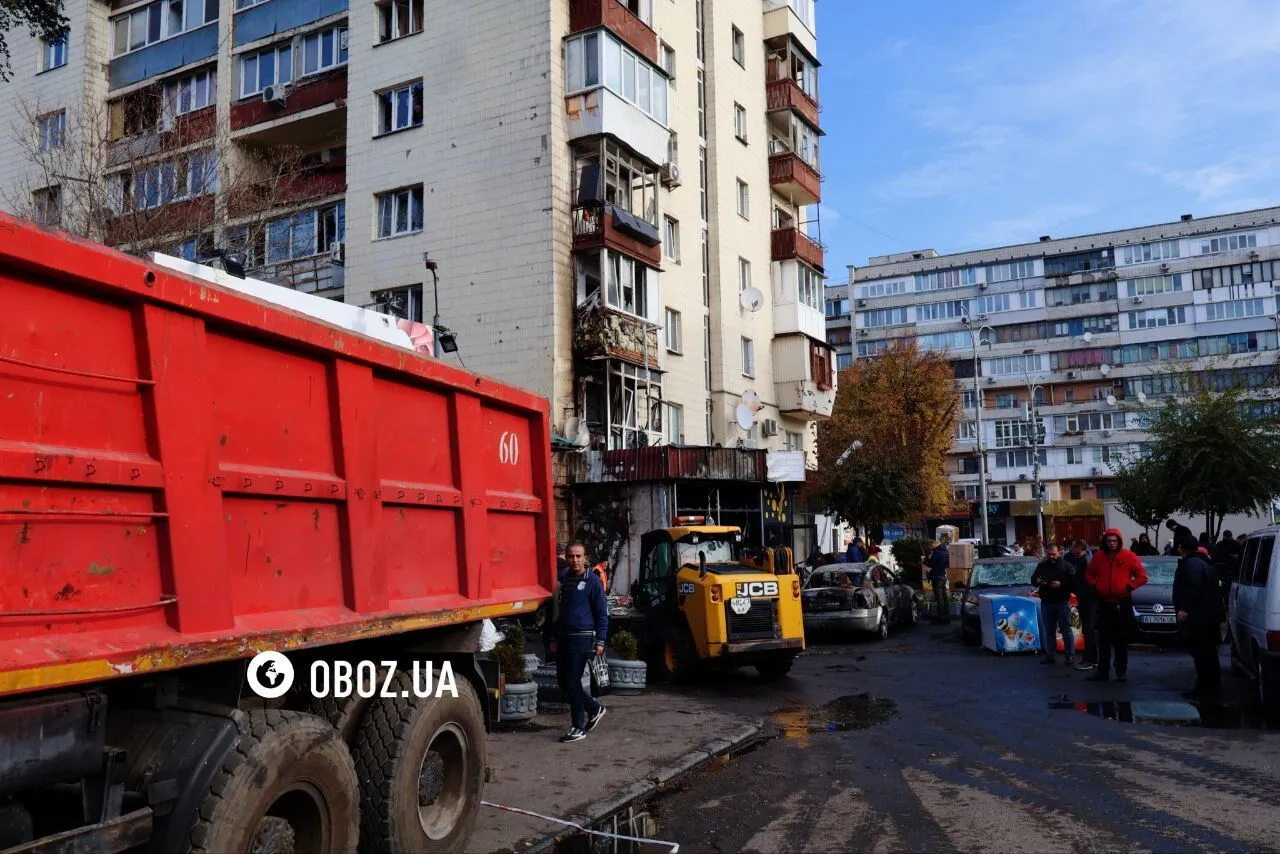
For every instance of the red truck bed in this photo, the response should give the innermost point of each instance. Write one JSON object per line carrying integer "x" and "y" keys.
{"x": 188, "y": 474}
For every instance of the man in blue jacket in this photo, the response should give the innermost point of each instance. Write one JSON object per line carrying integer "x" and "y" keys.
{"x": 581, "y": 630}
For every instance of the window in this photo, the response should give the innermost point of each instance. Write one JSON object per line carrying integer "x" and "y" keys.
{"x": 701, "y": 42}
{"x": 1228, "y": 244}
{"x": 740, "y": 122}
{"x": 597, "y": 59}
{"x": 324, "y": 49}
{"x": 795, "y": 441}
{"x": 158, "y": 21}
{"x": 744, "y": 200}
{"x": 820, "y": 366}
{"x": 667, "y": 59}
{"x": 54, "y": 54}
{"x": 748, "y": 358}
{"x": 744, "y": 274}
{"x": 399, "y": 18}
{"x": 642, "y": 9}
{"x": 1011, "y": 271}
{"x": 966, "y": 399}
{"x": 190, "y": 93}
{"x": 306, "y": 233}
{"x": 942, "y": 310}
{"x": 1158, "y": 251}
{"x": 1149, "y": 285}
{"x": 882, "y": 289}
{"x": 702, "y": 104}
{"x": 53, "y": 130}
{"x": 1023, "y": 458}
{"x": 671, "y": 239}
{"x": 675, "y": 424}
{"x": 702, "y": 182}
{"x": 943, "y": 279}
{"x": 47, "y": 205}
{"x": 629, "y": 184}
{"x": 883, "y": 317}
{"x": 1262, "y": 569}
{"x": 1075, "y": 456}
{"x": 1107, "y": 490}
{"x": 1157, "y": 317}
{"x": 673, "y": 332}
{"x": 739, "y": 48}
{"x": 844, "y": 360}
{"x": 1080, "y": 325}
{"x": 1234, "y": 310}
{"x": 1075, "y": 492}
{"x": 184, "y": 177}
{"x": 1014, "y": 432}
{"x": 400, "y": 302}
{"x": 809, "y": 283}
{"x": 628, "y": 284}
{"x": 837, "y": 307}
{"x": 1009, "y": 492}
{"x": 399, "y": 212}
{"x": 968, "y": 431}
{"x": 1014, "y": 365}
{"x": 968, "y": 492}
{"x": 260, "y": 70}
{"x": 400, "y": 108}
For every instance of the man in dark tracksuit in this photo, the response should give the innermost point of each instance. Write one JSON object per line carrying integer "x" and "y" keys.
{"x": 1198, "y": 601}
{"x": 581, "y": 630}
{"x": 939, "y": 561}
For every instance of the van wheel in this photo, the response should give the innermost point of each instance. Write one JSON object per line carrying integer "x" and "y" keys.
{"x": 421, "y": 763}
{"x": 289, "y": 786}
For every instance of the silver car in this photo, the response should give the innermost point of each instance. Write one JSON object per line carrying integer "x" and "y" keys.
{"x": 857, "y": 597}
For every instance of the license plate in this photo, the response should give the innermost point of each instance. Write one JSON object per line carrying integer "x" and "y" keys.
{"x": 1170, "y": 618}
{"x": 740, "y": 605}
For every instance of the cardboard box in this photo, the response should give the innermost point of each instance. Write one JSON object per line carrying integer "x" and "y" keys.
{"x": 962, "y": 555}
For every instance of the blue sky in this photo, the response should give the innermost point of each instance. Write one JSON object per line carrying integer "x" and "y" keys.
{"x": 972, "y": 123}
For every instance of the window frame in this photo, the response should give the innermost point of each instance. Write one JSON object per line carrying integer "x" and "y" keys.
{"x": 671, "y": 238}
{"x": 739, "y": 47}
{"x": 744, "y": 199}
{"x": 740, "y": 123}
{"x": 52, "y": 52}
{"x": 162, "y": 23}
{"x": 411, "y": 193}
{"x": 673, "y": 332}
{"x": 387, "y": 19}
{"x": 391, "y": 94}
{"x": 748, "y": 349}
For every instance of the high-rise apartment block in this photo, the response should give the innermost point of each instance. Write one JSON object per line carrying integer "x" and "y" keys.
{"x": 617, "y": 196}
{"x": 1094, "y": 332}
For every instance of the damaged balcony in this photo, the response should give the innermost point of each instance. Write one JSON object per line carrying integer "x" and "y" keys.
{"x": 630, "y": 20}
{"x": 791, "y": 79}
{"x": 804, "y": 377}
{"x": 616, "y": 195}
{"x": 666, "y": 463}
{"x": 792, "y": 243}
{"x": 601, "y": 332}
{"x": 792, "y": 177}
{"x": 600, "y": 225}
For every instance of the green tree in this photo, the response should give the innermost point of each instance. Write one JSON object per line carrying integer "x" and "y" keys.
{"x": 1212, "y": 460}
{"x": 1144, "y": 496}
{"x": 44, "y": 19}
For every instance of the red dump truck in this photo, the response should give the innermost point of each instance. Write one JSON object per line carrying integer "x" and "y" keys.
{"x": 191, "y": 476}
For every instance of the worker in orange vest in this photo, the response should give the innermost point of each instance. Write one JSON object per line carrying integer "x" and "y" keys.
{"x": 602, "y": 570}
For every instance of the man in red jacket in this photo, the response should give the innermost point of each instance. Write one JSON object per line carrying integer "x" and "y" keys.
{"x": 1114, "y": 573}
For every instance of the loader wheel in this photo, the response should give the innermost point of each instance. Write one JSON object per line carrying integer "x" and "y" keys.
{"x": 677, "y": 656}
{"x": 289, "y": 787}
{"x": 774, "y": 668}
{"x": 421, "y": 764}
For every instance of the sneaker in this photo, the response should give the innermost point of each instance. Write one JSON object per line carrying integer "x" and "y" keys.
{"x": 574, "y": 734}
{"x": 1085, "y": 666}
{"x": 595, "y": 719}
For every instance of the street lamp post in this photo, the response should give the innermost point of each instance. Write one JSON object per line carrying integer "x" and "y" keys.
{"x": 1032, "y": 417}
{"x": 978, "y": 340}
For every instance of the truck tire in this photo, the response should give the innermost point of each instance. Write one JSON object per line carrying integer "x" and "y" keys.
{"x": 343, "y": 714}
{"x": 421, "y": 766}
{"x": 775, "y": 667}
{"x": 289, "y": 787}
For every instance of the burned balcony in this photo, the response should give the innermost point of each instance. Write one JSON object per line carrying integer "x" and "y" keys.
{"x": 598, "y": 225}
{"x": 630, "y": 20}
{"x": 601, "y": 332}
{"x": 791, "y": 75}
{"x": 792, "y": 243}
{"x": 792, "y": 177}
{"x": 616, "y": 195}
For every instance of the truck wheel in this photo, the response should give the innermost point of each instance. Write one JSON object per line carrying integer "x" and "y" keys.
{"x": 775, "y": 667}
{"x": 289, "y": 786}
{"x": 421, "y": 765}
{"x": 343, "y": 714}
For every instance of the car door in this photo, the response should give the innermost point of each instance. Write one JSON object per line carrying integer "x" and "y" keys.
{"x": 1243, "y": 599}
{"x": 1265, "y": 587}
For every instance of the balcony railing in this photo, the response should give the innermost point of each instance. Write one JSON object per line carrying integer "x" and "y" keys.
{"x": 317, "y": 90}
{"x": 790, "y": 174}
{"x": 314, "y": 275}
{"x": 621, "y": 21}
{"x": 602, "y": 332}
{"x": 597, "y": 225}
{"x": 786, "y": 94}
{"x": 629, "y": 465}
{"x": 789, "y": 243}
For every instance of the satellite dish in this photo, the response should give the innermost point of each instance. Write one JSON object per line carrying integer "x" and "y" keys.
{"x": 1088, "y": 336}
{"x": 1106, "y": 369}
{"x": 745, "y": 416}
{"x": 752, "y": 299}
{"x": 751, "y": 399}
{"x": 1111, "y": 400}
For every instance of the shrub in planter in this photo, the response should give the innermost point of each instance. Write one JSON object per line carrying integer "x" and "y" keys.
{"x": 626, "y": 672}
{"x": 520, "y": 699}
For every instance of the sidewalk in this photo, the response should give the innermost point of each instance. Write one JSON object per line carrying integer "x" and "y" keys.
{"x": 642, "y": 743}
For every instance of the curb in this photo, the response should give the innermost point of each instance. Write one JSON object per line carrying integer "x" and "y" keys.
{"x": 642, "y": 789}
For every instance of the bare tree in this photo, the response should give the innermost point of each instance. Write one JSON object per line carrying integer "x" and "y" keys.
{"x": 132, "y": 176}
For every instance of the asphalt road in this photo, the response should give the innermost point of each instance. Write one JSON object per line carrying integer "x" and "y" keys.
{"x": 922, "y": 744}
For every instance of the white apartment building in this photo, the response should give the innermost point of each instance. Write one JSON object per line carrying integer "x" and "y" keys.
{"x": 615, "y": 195}
{"x": 1096, "y": 331}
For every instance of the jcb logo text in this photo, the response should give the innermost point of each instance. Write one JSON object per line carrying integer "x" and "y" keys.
{"x": 757, "y": 588}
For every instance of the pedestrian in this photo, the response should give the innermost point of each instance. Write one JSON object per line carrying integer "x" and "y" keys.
{"x": 1115, "y": 572}
{"x": 581, "y": 631}
{"x": 1144, "y": 547}
{"x": 855, "y": 553}
{"x": 1178, "y": 531}
{"x": 1017, "y": 549}
{"x": 1086, "y": 603}
{"x": 1226, "y": 562}
{"x": 939, "y": 562}
{"x": 1053, "y": 577}
{"x": 1198, "y": 602}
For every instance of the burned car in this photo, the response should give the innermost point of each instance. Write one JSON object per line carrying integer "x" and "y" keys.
{"x": 857, "y": 597}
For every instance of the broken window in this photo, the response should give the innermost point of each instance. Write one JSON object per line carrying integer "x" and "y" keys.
{"x": 635, "y": 407}
{"x": 399, "y": 18}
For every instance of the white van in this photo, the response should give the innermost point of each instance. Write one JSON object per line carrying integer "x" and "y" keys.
{"x": 1255, "y": 616}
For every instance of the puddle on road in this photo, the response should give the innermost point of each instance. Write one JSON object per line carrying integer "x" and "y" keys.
{"x": 854, "y": 712}
{"x": 1202, "y": 715}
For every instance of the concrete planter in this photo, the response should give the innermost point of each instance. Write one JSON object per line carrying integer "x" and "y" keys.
{"x": 549, "y": 684}
{"x": 627, "y": 675}
{"x": 520, "y": 701}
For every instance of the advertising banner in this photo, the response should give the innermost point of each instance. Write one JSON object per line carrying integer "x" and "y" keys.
{"x": 1010, "y": 623}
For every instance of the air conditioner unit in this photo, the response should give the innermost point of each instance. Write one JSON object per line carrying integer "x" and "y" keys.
{"x": 670, "y": 175}
{"x": 1071, "y": 375}
{"x": 994, "y": 493}
{"x": 862, "y": 332}
{"x": 991, "y": 379}
{"x": 769, "y": 427}
{"x": 1022, "y": 476}
{"x": 338, "y": 253}
{"x": 1137, "y": 300}
{"x": 1117, "y": 383}
{"x": 861, "y": 303}
{"x": 981, "y": 317}
{"x": 1088, "y": 485}
{"x": 1095, "y": 470}
{"x": 1106, "y": 434}
{"x": 1164, "y": 268}
{"x": 982, "y": 286}
{"x": 275, "y": 93}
